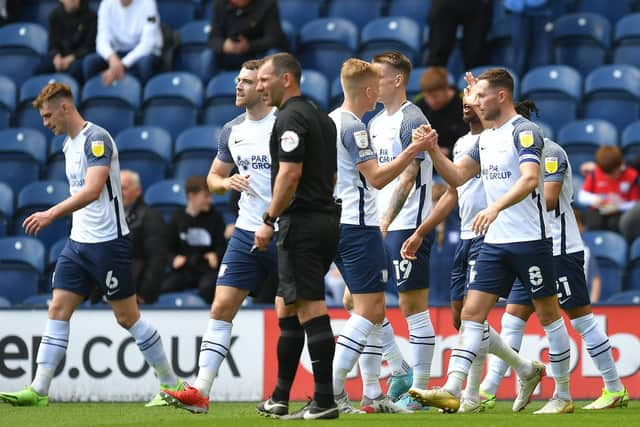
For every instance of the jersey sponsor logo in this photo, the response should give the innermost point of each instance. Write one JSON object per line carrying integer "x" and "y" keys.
{"x": 365, "y": 153}
{"x": 384, "y": 156}
{"x": 97, "y": 148}
{"x": 551, "y": 164}
{"x": 257, "y": 161}
{"x": 289, "y": 141}
{"x": 361, "y": 139}
{"x": 494, "y": 172}
{"x": 526, "y": 138}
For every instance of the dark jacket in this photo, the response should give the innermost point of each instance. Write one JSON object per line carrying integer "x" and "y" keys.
{"x": 447, "y": 121}
{"x": 72, "y": 33}
{"x": 148, "y": 249}
{"x": 259, "y": 23}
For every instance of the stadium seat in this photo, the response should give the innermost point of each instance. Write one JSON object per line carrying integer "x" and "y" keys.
{"x": 556, "y": 90}
{"x": 413, "y": 85}
{"x": 291, "y": 33}
{"x": 315, "y": 86}
{"x": 336, "y": 97}
{"x": 360, "y": 12}
{"x": 634, "y": 265}
{"x": 166, "y": 196}
{"x": 29, "y": 117}
{"x": 112, "y": 107}
{"x": 220, "y": 99}
{"x": 325, "y": 43}
{"x": 23, "y": 46}
{"x": 631, "y": 297}
{"x": 610, "y": 249}
{"x": 547, "y": 130}
{"x": 479, "y": 70}
{"x": 22, "y": 154}
{"x": 630, "y": 141}
{"x": 6, "y": 208}
{"x": 391, "y": 33}
{"x": 194, "y": 40}
{"x": 181, "y": 300}
{"x": 501, "y": 49}
{"x": 581, "y": 40}
{"x": 627, "y": 40}
{"x": 55, "y": 167}
{"x": 299, "y": 12}
{"x": 612, "y": 92}
{"x": 40, "y": 196}
{"x": 7, "y": 101}
{"x": 194, "y": 152}
{"x": 171, "y": 101}
{"x": 176, "y": 13}
{"x": 21, "y": 264}
{"x": 418, "y": 10}
{"x": 440, "y": 266}
{"x": 38, "y": 301}
{"x": 4, "y": 303}
{"x": 146, "y": 150}
{"x": 613, "y": 10}
{"x": 37, "y": 11}
{"x": 582, "y": 138}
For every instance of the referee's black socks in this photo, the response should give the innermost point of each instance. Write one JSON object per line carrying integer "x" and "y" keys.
{"x": 290, "y": 345}
{"x": 321, "y": 345}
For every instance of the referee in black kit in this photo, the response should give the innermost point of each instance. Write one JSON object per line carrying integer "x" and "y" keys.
{"x": 303, "y": 168}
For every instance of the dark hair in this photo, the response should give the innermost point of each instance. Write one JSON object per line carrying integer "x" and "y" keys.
{"x": 498, "y": 78}
{"x": 196, "y": 184}
{"x": 284, "y": 62}
{"x": 526, "y": 107}
{"x": 252, "y": 64}
{"x": 397, "y": 60}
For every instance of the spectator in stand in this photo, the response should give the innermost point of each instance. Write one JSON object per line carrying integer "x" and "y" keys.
{"x": 72, "y": 35}
{"x": 442, "y": 106}
{"x": 196, "y": 243}
{"x": 591, "y": 270}
{"x": 8, "y": 11}
{"x": 609, "y": 189}
{"x": 148, "y": 239}
{"x": 444, "y": 18}
{"x": 129, "y": 40}
{"x": 245, "y": 29}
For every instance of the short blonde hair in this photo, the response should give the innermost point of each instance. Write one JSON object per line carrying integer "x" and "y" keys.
{"x": 355, "y": 74}
{"x": 53, "y": 91}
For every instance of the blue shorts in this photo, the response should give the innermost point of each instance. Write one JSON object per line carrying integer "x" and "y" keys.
{"x": 498, "y": 265}
{"x": 242, "y": 269}
{"x": 463, "y": 264}
{"x": 361, "y": 259}
{"x": 407, "y": 275}
{"x": 571, "y": 283}
{"x": 108, "y": 264}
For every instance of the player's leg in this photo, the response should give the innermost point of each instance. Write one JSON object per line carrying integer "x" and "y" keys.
{"x": 401, "y": 377}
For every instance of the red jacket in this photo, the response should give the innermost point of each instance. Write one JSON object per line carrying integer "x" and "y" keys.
{"x": 626, "y": 186}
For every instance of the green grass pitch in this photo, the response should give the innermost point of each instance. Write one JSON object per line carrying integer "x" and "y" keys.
{"x": 243, "y": 414}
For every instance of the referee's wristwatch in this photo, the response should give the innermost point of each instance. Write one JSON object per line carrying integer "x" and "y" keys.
{"x": 268, "y": 219}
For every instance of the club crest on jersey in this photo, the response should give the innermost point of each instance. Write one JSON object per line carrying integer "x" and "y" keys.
{"x": 97, "y": 148}
{"x": 362, "y": 141}
{"x": 526, "y": 138}
{"x": 551, "y": 164}
{"x": 289, "y": 141}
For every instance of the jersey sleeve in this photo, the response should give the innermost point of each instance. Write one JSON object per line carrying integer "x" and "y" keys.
{"x": 224, "y": 154}
{"x": 98, "y": 148}
{"x": 355, "y": 139}
{"x": 529, "y": 142}
{"x": 474, "y": 151}
{"x": 412, "y": 119}
{"x": 555, "y": 164}
{"x": 292, "y": 136}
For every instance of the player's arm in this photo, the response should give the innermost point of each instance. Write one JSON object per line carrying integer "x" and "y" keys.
{"x": 285, "y": 187}
{"x": 457, "y": 173}
{"x": 218, "y": 179}
{"x": 556, "y": 166}
{"x": 552, "y": 191}
{"x": 399, "y": 197}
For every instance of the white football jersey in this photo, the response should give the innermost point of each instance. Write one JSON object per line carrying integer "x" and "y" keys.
{"x": 566, "y": 234}
{"x": 353, "y": 147}
{"x": 500, "y": 151}
{"x": 246, "y": 143}
{"x": 471, "y": 197}
{"x": 390, "y": 135}
{"x": 103, "y": 219}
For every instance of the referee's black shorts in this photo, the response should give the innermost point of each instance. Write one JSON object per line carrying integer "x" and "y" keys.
{"x": 307, "y": 244}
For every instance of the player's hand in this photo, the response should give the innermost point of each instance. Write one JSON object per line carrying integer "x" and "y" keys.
{"x": 212, "y": 259}
{"x": 483, "y": 220}
{"x": 237, "y": 182}
{"x": 179, "y": 261}
{"x": 471, "y": 81}
{"x": 410, "y": 247}
{"x": 425, "y": 138}
{"x": 263, "y": 236}
{"x": 37, "y": 221}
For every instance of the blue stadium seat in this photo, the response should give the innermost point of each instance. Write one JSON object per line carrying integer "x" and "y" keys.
{"x": 360, "y": 12}
{"x": 194, "y": 152}
{"x": 6, "y": 208}
{"x": 4, "y": 303}
{"x": 176, "y": 13}
{"x": 418, "y": 10}
{"x": 547, "y": 130}
{"x": 38, "y": 301}
{"x": 501, "y": 49}
{"x": 315, "y": 86}
{"x": 440, "y": 266}
{"x": 610, "y": 249}
{"x": 166, "y": 196}
{"x": 7, "y": 100}
{"x": 612, "y": 92}
{"x": 40, "y": 196}
{"x": 556, "y": 90}
{"x": 582, "y": 138}
{"x": 479, "y": 70}
{"x": 627, "y": 40}
{"x": 23, "y": 46}
{"x": 336, "y": 97}
{"x": 220, "y": 99}
{"x": 291, "y": 33}
{"x": 37, "y": 11}
{"x": 581, "y": 40}
{"x": 391, "y": 33}
{"x": 21, "y": 264}
{"x": 631, "y": 297}
{"x": 146, "y": 150}
{"x": 22, "y": 154}
{"x": 26, "y": 115}
{"x": 112, "y": 107}
{"x": 325, "y": 43}
{"x": 55, "y": 167}
{"x": 630, "y": 141}
{"x": 171, "y": 101}
{"x": 613, "y": 10}
{"x": 299, "y": 12}
{"x": 634, "y": 265}
{"x": 181, "y": 300}
{"x": 194, "y": 40}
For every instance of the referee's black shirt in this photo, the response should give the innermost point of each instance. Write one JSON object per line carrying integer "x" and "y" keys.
{"x": 304, "y": 134}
